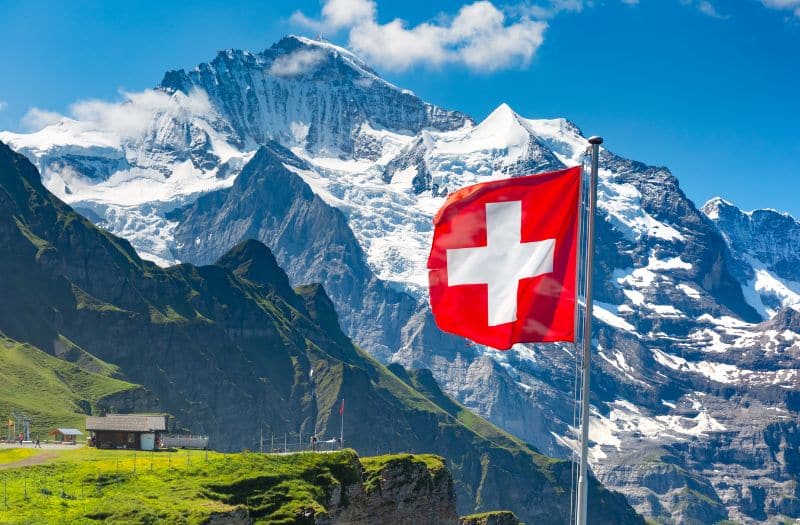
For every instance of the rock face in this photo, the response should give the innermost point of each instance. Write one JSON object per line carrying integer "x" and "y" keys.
{"x": 339, "y": 173}
{"x": 764, "y": 251}
{"x": 309, "y": 238}
{"x": 403, "y": 491}
{"x": 310, "y": 94}
{"x": 231, "y": 345}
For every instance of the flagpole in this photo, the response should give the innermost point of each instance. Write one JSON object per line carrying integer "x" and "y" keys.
{"x": 341, "y": 428}
{"x": 583, "y": 470}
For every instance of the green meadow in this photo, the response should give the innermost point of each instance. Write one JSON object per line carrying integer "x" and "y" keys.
{"x": 89, "y": 486}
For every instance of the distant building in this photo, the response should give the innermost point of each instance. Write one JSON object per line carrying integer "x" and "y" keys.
{"x": 126, "y": 431}
{"x": 198, "y": 442}
{"x": 68, "y": 436}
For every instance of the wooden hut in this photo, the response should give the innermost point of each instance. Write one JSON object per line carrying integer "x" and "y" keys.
{"x": 126, "y": 431}
{"x": 67, "y": 436}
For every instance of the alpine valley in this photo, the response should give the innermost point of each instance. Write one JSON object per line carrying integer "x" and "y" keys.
{"x": 696, "y": 363}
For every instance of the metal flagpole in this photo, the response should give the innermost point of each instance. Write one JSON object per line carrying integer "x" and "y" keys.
{"x": 341, "y": 427}
{"x": 583, "y": 479}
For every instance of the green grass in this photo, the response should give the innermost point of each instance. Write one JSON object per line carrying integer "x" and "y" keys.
{"x": 86, "y": 485}
{"x": 12, "y": 455}
{"x": 484, "y": 517}
{"x": 51, "y": 391}
{"x": 374, "y": 466}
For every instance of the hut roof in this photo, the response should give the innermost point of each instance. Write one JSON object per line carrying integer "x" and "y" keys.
{"x": 127, "y": 423}
{"x": 67, "y": 432}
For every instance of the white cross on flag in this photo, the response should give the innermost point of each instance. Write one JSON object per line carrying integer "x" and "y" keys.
{"x": 503, "y": 260}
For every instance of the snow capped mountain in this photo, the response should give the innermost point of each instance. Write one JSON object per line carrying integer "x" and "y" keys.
{"x": 311, "y": 94}
{"x": 765, "y": 246}
{"x": 697, "y": 362}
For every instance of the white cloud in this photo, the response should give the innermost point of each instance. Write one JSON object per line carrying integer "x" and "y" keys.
{"x": 345, "y": 13}
{"x": 132, "y": 117}
{"x": 297, "y": 62}
{"x": 549, "y": 9}
{"x": 3, "y": 105}
{"x": 129, "y": 118}
{"x": 705, "y": 7}
{"x": 480, "y": 36}
{"x": 35, "y": 119}
{"x": 788, "y": 5}
{"x": 338, "y": 14}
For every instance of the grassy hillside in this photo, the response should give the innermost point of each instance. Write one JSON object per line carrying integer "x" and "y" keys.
{"x": 51, "y": 391}
{"x": 89, "y": 486}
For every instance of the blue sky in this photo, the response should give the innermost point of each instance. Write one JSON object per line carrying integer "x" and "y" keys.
{"x": 709, "y": 89}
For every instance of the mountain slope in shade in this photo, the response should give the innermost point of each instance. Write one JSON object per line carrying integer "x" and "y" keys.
{"x": 230, "y": 346}
{"x": 765, "y": 248}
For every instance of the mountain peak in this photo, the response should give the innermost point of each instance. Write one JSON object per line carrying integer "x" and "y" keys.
{"x": 502, "y": 115}
{"x": 717, "y": 205}
{"x": 712, "y": 208}
{"x": 501, "y": 129}
{"x": 252, "y": 260}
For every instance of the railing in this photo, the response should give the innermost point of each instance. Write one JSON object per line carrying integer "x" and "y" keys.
{"x": 196, "y": 442}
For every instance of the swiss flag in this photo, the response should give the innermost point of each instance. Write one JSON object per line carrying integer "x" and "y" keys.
{"x": 503, "y": 261}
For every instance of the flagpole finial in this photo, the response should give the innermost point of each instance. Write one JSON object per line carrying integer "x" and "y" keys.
{"x": 595, "y": 140}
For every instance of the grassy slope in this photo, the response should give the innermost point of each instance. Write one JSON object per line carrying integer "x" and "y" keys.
{"x": 177, "y": 488}
{"x": 51, "y": 391}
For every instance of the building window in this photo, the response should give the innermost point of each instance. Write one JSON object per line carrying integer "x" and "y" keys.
{"x": 130, "y": 437}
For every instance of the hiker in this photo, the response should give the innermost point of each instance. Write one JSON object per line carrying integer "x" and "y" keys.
{"x": 313, "y": 442}
{"x": 38, "y": 444}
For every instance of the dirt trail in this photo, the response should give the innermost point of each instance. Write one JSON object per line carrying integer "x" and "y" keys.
{"x": 38, "y": 459}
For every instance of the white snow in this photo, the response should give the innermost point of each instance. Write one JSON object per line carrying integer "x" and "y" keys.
{"x": 622, "y": 202}
{"x": 766, "y": 285}
{"x": 690, "y": 291}
{"x": 608, "y": 313}
{"x": 674, "y": 263}
{"x": 625, "y": 420}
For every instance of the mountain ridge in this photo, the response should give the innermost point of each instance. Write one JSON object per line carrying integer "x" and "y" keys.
{"x": 228, "y": 365}
{"x": 682, "y": 351}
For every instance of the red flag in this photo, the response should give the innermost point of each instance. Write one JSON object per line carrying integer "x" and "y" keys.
{"x": 503, "y": 260}
{"x": 341, "y": 408}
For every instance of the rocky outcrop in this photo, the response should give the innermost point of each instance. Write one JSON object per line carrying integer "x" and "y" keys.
{"x": 500, "y": 517}
{"x": 238, "y": 516}
{"x": 401, "y": 490}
